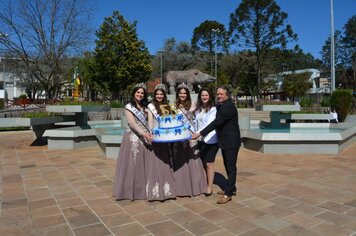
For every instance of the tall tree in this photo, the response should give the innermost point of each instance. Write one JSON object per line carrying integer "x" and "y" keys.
{"x": 345, "y": 55}
{"x": 260, "y": 25}
{"x": 349, "y": 42}
{"x": 296, "y": 85}
{"x": 121, "y": 58}
{"x": 208, "y": 35}
{"x": 41, "y": 34}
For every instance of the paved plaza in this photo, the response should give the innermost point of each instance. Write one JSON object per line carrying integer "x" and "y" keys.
{"x": 69, "y": 193}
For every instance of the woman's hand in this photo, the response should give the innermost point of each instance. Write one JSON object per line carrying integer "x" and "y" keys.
{"x": 148, "y": 137}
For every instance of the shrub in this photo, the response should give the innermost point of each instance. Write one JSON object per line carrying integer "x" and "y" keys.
{"x": 341, "y": 101}
{"x": 306, "y": 102}
{"x": 325, "y": 102}
{"x": 38, "y": 114}
{"x": 23, "y": 96}
{"x": 2, "y": 105}
{"x": 116, "y": 104}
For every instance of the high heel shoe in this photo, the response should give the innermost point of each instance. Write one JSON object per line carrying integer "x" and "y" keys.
{"x": 208, "y": 194}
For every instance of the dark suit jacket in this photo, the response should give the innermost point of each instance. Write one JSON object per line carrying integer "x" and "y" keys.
{"x": 226, "y": 125}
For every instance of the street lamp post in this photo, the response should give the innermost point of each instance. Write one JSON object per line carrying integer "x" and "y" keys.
{"x": 332, "y": 49}
{"x": 161, "y": 63}
{"x": 216, "y": 31}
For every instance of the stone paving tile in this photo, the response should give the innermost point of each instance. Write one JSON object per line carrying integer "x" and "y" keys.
{"x": 92, "y": 230}
{"x": 164, "y": 228}
{"x": 303, "y": 220}
{"x": 199, "y": 207}
{"x": 329, "y": 229}
{"x": 38, "y": 194}
{"x": 45, "y": 211}
{"x": 137, "y": 207}
{"x": 248, "y": 213}
{"x": 216, "y": 215}
{"x": 237, "y": 225}
{"x": 295, "y": 230}
{"x": 114, "y": 220}
{"x": 258, "y": 232}
{"x": 335, "y": 207}
{"x": 284, "y": 202}
{"x": 182, "y": 217}
{"x": 335, "y": 218}
{"x": 200, "y": 227}
{"x": 79, "y": 216}
{"x": 47, "y": 221}
{"x": 57, "y": 230}
{"x": 132, "y": 229}
{"x": 351, "y": 203}
{"x": 219, "y": 233}
{"x": 70, "y": 202}
{"x": 42, "y": 203}
{"x": 257, "y": 203}
{"x": 277, "y": 211}
{"x": 68, "y": 192}
{"x": 167, "y": 207}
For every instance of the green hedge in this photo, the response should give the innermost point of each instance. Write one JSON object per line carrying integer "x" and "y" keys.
{"x": 2, "y": 104}
{"x": 341, "y": 101}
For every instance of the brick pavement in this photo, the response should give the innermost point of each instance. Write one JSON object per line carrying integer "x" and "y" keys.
{"x": 69, "y": 193}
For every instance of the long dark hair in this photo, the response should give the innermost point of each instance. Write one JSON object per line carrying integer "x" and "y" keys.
{"x": 210, "y": 103}
{"x": 188, "y": 101}
{"x": 144, "y": 101}
{"x": 155, "y": 102}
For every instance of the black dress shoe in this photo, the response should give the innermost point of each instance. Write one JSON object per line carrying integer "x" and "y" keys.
{"x": 208, "y": 194}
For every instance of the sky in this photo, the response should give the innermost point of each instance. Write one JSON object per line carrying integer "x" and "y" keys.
{"x": 158, "y": 20}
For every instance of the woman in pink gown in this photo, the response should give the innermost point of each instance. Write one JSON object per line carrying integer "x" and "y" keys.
{"x": 159, "y": 172}
{"x": 130, "y": 176}
{"x": 189, "y": 173}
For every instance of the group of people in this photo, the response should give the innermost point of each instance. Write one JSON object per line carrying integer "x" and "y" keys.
{"x": 159, "y": 171}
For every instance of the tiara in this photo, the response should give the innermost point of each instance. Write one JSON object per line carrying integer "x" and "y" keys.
{"x": 161, "y": 86}
{"x": 183, "y": 85}
{"x": 141, "y": 85}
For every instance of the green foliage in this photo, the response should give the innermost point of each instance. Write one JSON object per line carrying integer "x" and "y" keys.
{"x": 38, "y": 114}
{"x": 205, "y": 38}
{"x": 296, "y": 85}
{"x": 116, "y": 104}
{"x": 3, "y": 129}
{"x": 325, "y": 102}
{"x": 260, "y": 25}
{"x": 121, "y": 59}
{"x": 341, "y": 101}
{"x": 2, "y": 105}
{"x": 345, "y": 54}
{"x": 81, "y": 103}
{"x": 23, "y": 96}
{"x": 306, "y": 102}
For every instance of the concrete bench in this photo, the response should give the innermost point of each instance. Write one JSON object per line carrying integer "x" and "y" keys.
{"x": 70, "y": 138}
{"x": 310, "y": 117}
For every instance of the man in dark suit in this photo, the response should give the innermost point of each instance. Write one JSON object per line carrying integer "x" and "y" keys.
{"x": 228, "y": 132}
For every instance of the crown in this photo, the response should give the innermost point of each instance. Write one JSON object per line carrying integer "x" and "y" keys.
{"x": 141, "y": 85}
{"x": 183, "y": 85}
{"x": 161, "y": 86}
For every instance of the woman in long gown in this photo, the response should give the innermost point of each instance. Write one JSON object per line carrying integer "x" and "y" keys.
{"x": 130, "y": 178}
{"x": 205, "y": 113}
{"x": 189, "y": 173}
{"x": 159, "y": 172}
